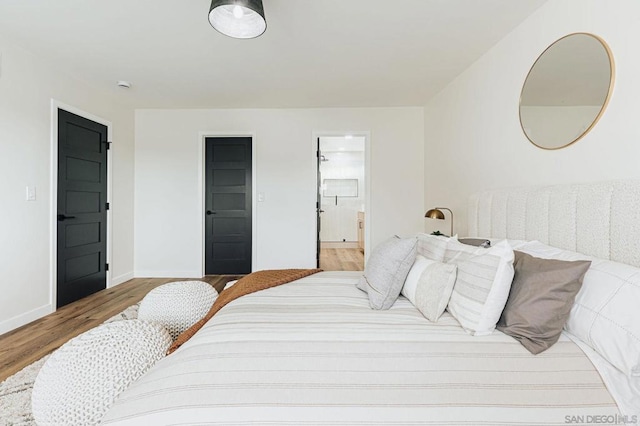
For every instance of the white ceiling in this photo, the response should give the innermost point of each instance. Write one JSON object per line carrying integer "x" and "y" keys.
{"x": 315, "y": 53}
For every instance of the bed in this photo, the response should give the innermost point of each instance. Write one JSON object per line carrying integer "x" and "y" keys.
{"x": 313, "y": 352}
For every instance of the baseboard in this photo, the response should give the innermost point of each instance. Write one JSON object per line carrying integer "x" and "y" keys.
{"x": 26, "y": 318}
{"x": 121, "y": 279}
{"x": 167, "y": 274}
{"x": 338, "y": 245}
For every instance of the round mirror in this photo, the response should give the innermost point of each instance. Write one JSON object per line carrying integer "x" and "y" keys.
{"x": 566, "y": 91}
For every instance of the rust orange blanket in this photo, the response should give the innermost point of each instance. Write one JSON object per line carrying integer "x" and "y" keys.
{"x": 256, "y": 281}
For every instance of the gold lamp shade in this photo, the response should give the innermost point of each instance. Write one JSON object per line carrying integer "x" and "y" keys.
{"x": 437, "y": 213}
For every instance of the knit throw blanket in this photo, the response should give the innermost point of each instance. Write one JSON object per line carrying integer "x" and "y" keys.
{"x": 256, "y": 281}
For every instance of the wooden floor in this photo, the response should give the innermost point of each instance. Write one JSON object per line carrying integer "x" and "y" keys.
{"x": 341, "y": 259}
{"x": 31, "y": 342}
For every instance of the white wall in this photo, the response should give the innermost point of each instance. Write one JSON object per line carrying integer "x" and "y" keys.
{"x": 340, "y": 217}
{"x": 168, "y": 220}
{"x": 27, "y": 85}
{"x": 473, "y": 139}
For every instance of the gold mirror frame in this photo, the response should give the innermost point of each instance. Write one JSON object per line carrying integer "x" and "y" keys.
{"x": 612, "y": 77}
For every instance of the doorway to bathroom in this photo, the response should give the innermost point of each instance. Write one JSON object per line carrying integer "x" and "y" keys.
{"x": 341, "y": 202}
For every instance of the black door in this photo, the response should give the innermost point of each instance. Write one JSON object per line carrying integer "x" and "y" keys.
{"x": 82, "y": 209}
{"x": 228, "y": 206}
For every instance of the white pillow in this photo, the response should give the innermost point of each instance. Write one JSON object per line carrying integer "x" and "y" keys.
{"x": 482, "y": 284}
{"x": 515, "y": 244}
{"x": 387, "y": 270}
{"x": 606, "y": 313}
{"x": 431, "y": 246}
{"x": 429, "y": 286}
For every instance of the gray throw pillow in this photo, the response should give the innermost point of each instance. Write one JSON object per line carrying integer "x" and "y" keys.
{"x": 540, "y": 300}
{"x": 386, "y": 271}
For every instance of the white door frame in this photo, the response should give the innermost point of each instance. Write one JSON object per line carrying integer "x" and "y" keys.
{"x": 202, "y": 172}
{"x": 367, "y": 177}
{"x": 53, "y": 190}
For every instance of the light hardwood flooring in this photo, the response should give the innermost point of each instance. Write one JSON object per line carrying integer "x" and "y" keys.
{"x": 31, "y": 342}
{"x": 341, "y": 259}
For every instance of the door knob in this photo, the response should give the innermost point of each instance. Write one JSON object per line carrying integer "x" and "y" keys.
{"x": 209, "y": 212}
{"x": 62, "y": 218}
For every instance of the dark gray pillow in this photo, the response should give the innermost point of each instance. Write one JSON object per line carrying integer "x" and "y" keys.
{"x": 386, "y": 270}
{"x": 540, "y": 300}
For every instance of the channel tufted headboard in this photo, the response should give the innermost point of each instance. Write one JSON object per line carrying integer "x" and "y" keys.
{"x": 596, "y": 219}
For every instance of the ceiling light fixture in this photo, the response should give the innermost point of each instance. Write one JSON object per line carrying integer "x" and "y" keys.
{"x": 238, "y": 18}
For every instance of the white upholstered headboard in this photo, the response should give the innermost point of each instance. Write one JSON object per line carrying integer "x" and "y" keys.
{"x": 597, "y": 219}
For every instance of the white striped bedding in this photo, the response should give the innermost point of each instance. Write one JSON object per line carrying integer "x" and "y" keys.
{"x": 312, "y": 352}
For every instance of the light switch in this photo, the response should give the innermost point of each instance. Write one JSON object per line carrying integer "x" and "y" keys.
{"x": 260, "y": 197}
{"x": 31, "y": 193}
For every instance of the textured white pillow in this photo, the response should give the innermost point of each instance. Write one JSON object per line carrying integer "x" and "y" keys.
{"x": 81, "y": 380}
{"x": 432, "y": 247}
{"x": 482, "y": 284}
{"x": 387, "y": 270}
{"x": 411, "y": 283}
{"x": 606, "y": 313}
{"x": 177, "y": 305}
{"x": 429, "y": 286}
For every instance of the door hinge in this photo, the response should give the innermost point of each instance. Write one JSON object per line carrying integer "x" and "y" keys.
{"x": 317, "y": 154}
{"x": 108, "y": 143}
{"x": 106, "y": 267}
{"x": 107, "y": 206}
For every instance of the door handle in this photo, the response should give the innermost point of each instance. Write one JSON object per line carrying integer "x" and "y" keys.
{"x": 62, "y": 218}
{"x": 209, "y": 212}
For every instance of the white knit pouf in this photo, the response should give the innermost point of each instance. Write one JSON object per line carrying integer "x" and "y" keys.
{"x": 81, "y": 380}
{"x": 178, "y": 305}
